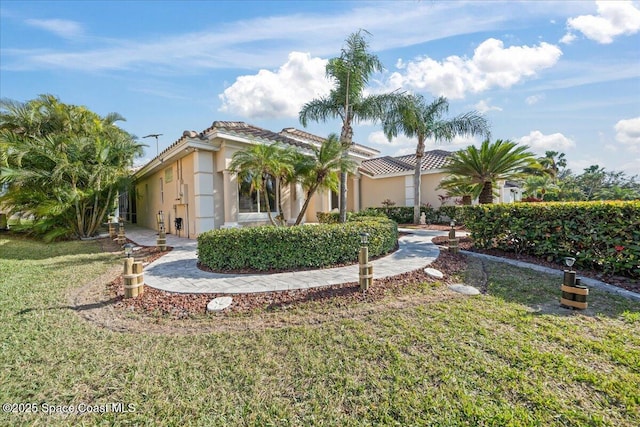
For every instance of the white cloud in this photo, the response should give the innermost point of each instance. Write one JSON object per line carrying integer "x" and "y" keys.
{"x": 568, "y": 38}
{"x": 483, "y": 106}
{"x": 282, "y": 93}
{"x": 60, "y": 27}
{"x": 628, "y": 132}
{"x": 534, "y": 99}
{"x": 492, "y": 65}
{"x": 540, "y": 142}
{"x": 613, "y": 19}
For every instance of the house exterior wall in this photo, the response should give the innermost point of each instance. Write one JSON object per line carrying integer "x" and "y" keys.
{"x": 374, "y": 191}
{"x": 399, "y": 189}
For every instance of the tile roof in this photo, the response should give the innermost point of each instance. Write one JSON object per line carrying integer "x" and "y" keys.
{"x": 306, "y": 136}
{"x": 434, "y": 159}
{"x": 254, "y": 132}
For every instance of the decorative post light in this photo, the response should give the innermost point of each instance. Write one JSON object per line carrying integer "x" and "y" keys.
{"x": 574, "y": 295}
{"x": 112, "y": 227}
{"x": 128, "y": 249}
{"x": 366, "y": 268}
{"x": 133, "y": 274}
{"x": 162, "y": 235}
{"x": 453, "y": 241}
{"x": 121, "y": 237}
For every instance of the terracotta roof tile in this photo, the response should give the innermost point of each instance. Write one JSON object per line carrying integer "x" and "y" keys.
{"x": 306, "y": 136}
{"x": 434, "y": 159}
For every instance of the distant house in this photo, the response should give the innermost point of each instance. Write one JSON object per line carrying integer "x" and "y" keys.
{"x": 191, "y": 184}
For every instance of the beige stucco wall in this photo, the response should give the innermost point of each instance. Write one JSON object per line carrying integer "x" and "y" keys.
{"x": 374, "y": 191}
{"x": 399, "y": 189}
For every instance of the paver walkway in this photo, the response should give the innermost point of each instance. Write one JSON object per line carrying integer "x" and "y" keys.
{"x": 177, "y": 270}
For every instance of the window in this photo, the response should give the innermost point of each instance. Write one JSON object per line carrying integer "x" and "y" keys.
{"x": 335, "y": 200}
{"x": 249, "y": 200}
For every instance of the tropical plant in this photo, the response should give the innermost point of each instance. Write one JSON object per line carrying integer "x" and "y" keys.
{"x": 492, "y": 162}
{"x": 415, "y": 117}
{"x": 259, "y": 162}
{"x": 351, "y": 72}
{"x": 320, "y": 171}
{"x": 539, "y": 185}
{"x": 458, "y": 186}
{"x": 63, "y": 164}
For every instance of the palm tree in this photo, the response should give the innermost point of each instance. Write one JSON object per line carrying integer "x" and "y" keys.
{"x": 62, "y": 163}
{"x": 320, "y": 171}
{"x": 493, "y": 162}
{"x": 414, "y": 117}
{"x": 534, "y": 184}
{"x": 458, "y": 186}
{"x": 351, "y": 72}
{"x": 257, "y": 164}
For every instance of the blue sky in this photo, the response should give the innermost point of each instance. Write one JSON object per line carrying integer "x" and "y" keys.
{"x": 561, "y": 76}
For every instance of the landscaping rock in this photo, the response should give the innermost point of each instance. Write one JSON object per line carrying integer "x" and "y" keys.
{"x": 219, "y": 304}
{"x": 464, "y": 289}
{"x": 437, "y": 274}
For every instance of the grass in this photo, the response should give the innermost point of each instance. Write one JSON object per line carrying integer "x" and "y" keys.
{"x": 510, "y": 357}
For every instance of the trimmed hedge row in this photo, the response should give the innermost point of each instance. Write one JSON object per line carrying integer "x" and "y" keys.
{"x": 399, "y": 214}
{"x": 288, "y": 248}
{"x": 604, "y": 236}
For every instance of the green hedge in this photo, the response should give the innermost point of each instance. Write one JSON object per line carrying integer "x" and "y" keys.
{"x": 604, "y": 236}
{"x": 283, "y": 248}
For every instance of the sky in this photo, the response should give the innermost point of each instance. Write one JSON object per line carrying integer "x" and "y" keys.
{"x": 554, "y": 75}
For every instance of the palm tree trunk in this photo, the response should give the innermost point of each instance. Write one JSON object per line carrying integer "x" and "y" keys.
{"x": 345, "y": 139}
{"x": 486, "y": 195}
{"x": 266, "y": 202}
{"x": 417, "y": 181}
{"x": 305, "y": 205}
{"x": 466, "y": 200}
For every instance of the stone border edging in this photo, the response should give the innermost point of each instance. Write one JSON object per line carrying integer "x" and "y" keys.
{"x": 586, "y": 280}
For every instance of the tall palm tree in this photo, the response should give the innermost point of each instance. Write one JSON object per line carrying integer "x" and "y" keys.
{"x": 501, "y": 160}
{"x": 415, "y": 117}
{"x": 320, "y": 171}
{"x": 257, "y": 163}
{"x": 351, "y": 72}
{"x": 62, "y": 163}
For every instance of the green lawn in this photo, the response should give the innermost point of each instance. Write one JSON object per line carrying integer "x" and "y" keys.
{"x": 507, "y": 358}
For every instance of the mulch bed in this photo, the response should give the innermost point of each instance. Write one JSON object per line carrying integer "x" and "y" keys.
{"x": 174, "y": 305}
{"x": 466, "y": 243}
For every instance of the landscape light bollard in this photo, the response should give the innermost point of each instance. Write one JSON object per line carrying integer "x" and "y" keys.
{"x": 162, "y": 235}
{"x": 574, "y": 295}
{"x": 453, "y": 241}
{"x": 133, "y": 274}
{"x": 366, "y": 268}
{"x": 112, "y": 228}
{"x": 121, "y": 237}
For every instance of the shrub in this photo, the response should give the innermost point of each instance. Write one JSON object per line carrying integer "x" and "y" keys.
{"x": 404, "y": 214}
{"x": 604, "y": 236}
{"x": 289, "y": 248}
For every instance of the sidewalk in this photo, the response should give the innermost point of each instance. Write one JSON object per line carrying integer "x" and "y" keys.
{"x": 177, "y": 270}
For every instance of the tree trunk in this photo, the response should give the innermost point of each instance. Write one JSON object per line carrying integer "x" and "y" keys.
{"x": 345, "y": 140}
{"x": 417, "y": 181}
{"x": 266, "y": 202}
{"x": 305, "y": 205}
{"x": 486, "y": 195}
{"x": 466, "y": 200}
